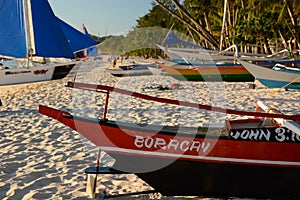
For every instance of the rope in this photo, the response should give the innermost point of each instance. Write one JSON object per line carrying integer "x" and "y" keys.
{"x": 284, "y": 86}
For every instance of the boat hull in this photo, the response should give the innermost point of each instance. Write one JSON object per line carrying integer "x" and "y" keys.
{"x": 130, "y": 70}
{"x": 61, "y": 71}
{"x": 279, "y": 84}
{"x": 121, "y": 73}
{"x": 215, "y": 73}
{"x": 35, "y": 74}
{"x": 209, "y": 179}
{"x": 273, "y": 78}
{"x": 214, "y": 78}
{"x": 248, "y": 162}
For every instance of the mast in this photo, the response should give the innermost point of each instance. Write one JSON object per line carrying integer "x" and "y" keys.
{"x": 84, "y": 32}
{"x": 223, "y": 25}
{"x": 29, "y": 30}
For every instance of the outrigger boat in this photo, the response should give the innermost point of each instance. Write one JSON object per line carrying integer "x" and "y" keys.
{"x": 280, "y": 76}
{"x": 247, "y": 158}
{"x": 205, "y": 65}
{"x": 130, "y": 69}
{"x": 228, "y": 72}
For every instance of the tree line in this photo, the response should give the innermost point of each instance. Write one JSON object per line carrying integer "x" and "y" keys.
{"x": 254, "y": 25}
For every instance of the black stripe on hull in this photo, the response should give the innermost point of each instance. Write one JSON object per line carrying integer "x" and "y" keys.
{"x": 62, "y": 71}
{"x": 207, "y": 179}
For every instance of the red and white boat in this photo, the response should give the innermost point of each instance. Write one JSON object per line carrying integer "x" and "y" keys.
{"x": 246, "y": 159}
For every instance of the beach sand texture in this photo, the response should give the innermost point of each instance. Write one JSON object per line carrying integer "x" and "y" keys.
{"x": 42, "y": 159}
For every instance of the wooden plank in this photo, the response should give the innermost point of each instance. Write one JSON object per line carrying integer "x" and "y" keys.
{"x": 90, "y": 185}
{"x": 290, "y": 124}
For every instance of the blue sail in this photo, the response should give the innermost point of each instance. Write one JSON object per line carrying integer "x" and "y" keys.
{"x": 48, "y": 35}
{"x": 77, "y": 40}
{"x": 12, "y": 29}
{"x": 50, "y": 40}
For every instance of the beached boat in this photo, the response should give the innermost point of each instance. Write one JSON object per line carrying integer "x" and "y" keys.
{"x": 220, "y": 71}
{"x": 90, "y": 53}
{"x": 130, "y": 69}
{"x": 178, "y": 49}
{"x": 277, "y": 77}
{"x": 248, "y": 158}
{"x": 199, "y": 55}
{"x": 10, "y": 76}
{"x": 32, "y": 35}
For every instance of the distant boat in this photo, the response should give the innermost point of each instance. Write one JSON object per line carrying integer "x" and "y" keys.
{"x": 31, "y": 37}
{"x": 278, "y": 77}
{"x": 198, "y": 56}
{"x": 130, "y": 69}
{"x": 200, "y": 64}
{"x": 91, "y": 51}
{"x": 177, "y": 49}
{"x": 228, "y": 72}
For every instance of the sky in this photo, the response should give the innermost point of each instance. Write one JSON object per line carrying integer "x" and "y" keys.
{"x": 101, "y": 17}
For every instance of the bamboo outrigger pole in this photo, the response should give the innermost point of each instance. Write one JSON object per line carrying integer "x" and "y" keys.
{"x": 297, "y": 78}
{"x": 223, "y": 25}
{"x": 101, "y": 88}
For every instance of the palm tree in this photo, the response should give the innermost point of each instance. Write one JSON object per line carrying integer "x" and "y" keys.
{"x": 288, "y": 16}
{"x": 188, "y": 20}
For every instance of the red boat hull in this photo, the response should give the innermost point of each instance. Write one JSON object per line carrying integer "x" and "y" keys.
{"x": 219, "y": 180}
{"x": 180, "y": 161}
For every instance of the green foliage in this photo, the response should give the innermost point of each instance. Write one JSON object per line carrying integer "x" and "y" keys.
{"x": 155, "y": 18}
{"x": 135, "y": 41}
{"x": 247, "y": 22}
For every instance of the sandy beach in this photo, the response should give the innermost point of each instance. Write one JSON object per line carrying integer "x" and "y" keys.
{"x": 42, "y": 159}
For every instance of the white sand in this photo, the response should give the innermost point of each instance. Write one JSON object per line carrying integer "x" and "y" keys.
{"x": 42, "y": 159}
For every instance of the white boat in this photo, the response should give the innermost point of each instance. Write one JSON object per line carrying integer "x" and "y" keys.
{"x": 34, "y": 74}
{"x": 274, "y": 78}
{"x": 196, "y": 54}
{"x": 200, "y": 56}
{"x": 29, "y": 32}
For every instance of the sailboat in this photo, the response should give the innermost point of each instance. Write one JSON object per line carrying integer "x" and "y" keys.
{"x": 33, "y": 41}
{"x": 91, "y": 52}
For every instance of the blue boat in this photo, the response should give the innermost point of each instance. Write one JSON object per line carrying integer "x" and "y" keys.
{"x": 277, "y": 77}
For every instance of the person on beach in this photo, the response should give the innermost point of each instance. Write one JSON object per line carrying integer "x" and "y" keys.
{"x": 44, "y": 61}
{"x": 122, "y": 59}
{"x": 114, "y": 62}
